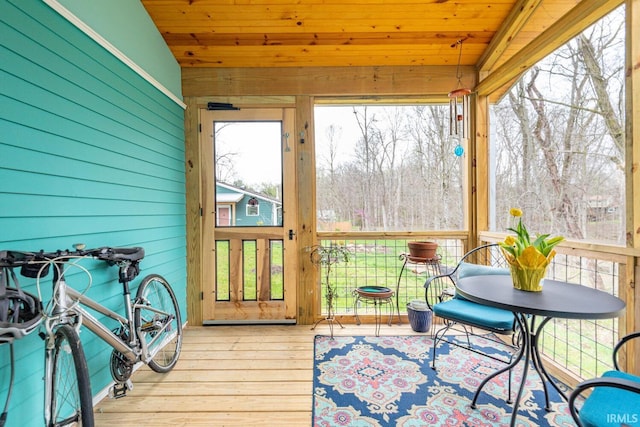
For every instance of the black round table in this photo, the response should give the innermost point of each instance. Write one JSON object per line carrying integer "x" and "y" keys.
{"x": 557, "y": 299}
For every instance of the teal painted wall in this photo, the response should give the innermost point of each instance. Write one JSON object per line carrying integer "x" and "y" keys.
{"x": 127, "y": 25}
{"x": 264, "y": 217}
{"x": 89, "y": 152}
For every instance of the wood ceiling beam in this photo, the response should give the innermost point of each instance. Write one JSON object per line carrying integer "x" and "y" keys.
{"x": 323, "y": 81}
{"x": 517, "y": 18}
{"x": 563, "y": 30}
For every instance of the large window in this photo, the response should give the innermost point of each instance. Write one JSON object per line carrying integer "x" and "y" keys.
{"x": 391, "y": 168}
{"x": 558, "y": 140}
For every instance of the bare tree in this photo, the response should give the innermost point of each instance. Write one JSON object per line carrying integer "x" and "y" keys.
{"x": 403, "y": 174}
{"x": 377, "y": 151}
{"x": 564, "y": 118}
{"x": 224, "y": 158}
{"x": 439, "y": 173}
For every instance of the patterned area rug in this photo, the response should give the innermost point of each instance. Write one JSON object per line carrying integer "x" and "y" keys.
{"x": 388, "y": 381}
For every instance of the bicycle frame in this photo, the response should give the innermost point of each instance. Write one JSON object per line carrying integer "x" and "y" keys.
{"x": 135, "y": 350}
{"x": 129, "y": 350}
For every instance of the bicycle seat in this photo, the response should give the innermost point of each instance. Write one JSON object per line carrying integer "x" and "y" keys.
{"x": 119, "y": 254}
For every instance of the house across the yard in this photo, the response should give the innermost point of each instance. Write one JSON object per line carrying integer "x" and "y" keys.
{"x": 242, "y": 208}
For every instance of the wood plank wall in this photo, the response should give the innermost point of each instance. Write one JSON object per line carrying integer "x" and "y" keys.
{"x": 285, "y": 88}
{"x": 425, "y": 81}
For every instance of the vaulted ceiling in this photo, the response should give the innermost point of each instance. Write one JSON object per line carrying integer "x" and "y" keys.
{"x": 317, "y": 33}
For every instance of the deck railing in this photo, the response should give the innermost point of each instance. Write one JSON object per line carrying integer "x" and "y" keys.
{"x": 577, "y": 348}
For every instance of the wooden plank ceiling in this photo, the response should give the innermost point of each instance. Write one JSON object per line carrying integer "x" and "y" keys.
{"x": 323, "y": 33}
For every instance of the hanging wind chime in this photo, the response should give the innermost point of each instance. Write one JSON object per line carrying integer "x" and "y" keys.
{"x": 459, "y": 106}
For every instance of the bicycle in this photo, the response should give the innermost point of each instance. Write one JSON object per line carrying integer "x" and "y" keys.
{"x": 150, "y": 331}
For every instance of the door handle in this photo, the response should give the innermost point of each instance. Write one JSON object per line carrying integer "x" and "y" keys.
{"x": 291, "y": 234}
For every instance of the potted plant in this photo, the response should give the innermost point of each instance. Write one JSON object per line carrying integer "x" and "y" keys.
{"x": 528, "y": 258}
{"x": 422, "y": 250}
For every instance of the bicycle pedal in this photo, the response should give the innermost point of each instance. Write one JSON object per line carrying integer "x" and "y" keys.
{"x": 152, "y": 326}
{"x": 120, "y": 389}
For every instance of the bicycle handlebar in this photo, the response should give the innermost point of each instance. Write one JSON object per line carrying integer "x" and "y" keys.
{"x": 135, "y": 253}
{"x": 12, "y": 259}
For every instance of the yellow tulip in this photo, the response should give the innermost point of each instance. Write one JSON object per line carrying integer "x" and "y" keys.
{"x": 515, "y": 212}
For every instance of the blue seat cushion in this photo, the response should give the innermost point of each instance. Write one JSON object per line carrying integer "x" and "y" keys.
{"x": 609, "y": 406}
{"x": 465, "y": 311}
{"x": 467, "y": 269}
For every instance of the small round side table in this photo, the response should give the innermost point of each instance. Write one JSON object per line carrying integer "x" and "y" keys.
{"x": 376, "y": 296}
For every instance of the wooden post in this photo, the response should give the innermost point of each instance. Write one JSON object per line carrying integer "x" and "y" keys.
{"x": 308, "y": 291}
{"x": 194, "y": 230}
{"x": 632, "y": 173}
{"x": 479, "y": 178}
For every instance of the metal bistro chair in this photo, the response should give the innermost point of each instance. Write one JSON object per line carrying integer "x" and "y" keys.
{"x": 457, "y": 311}
{"x": 615, "y": 399}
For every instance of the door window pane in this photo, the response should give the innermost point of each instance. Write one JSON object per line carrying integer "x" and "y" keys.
{"x": 248, "y": 171}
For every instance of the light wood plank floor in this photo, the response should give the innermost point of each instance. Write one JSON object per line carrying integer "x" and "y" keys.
{"x": 247, "y": 376}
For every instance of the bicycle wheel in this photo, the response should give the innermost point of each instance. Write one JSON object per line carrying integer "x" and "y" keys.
{"x": 69, "y": 402}
{"x": 157, "y": 322}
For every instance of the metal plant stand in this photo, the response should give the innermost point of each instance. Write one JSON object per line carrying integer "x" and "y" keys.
{"x": 432, "y": 268}
{"x": 325, "y": 257}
